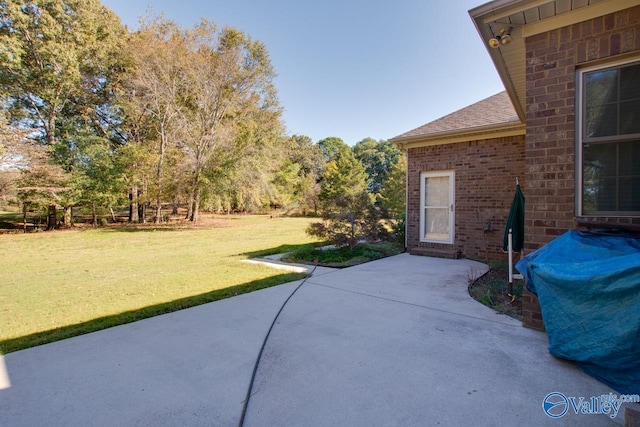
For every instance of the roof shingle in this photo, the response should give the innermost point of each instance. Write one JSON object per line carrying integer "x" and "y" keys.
{"x": 492, "y": 111}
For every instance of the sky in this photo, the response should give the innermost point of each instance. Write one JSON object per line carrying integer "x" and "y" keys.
{"x": 353, "y": 68}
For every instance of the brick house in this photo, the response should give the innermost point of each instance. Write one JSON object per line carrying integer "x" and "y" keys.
{"x": 568, "y": 126}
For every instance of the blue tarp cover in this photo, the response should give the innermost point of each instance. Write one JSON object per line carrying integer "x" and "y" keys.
{"x": 588, "y": 286}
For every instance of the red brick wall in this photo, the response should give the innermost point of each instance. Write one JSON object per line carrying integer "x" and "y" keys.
{"x": 551, "y": 61}
{"x": 485, "y": 178}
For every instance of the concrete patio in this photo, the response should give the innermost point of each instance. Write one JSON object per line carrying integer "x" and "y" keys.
{"x": 392, "y": 342}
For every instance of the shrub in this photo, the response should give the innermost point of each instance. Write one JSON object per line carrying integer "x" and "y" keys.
{"x": 348, "y": 210}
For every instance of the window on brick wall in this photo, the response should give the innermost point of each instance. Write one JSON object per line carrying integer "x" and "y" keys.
{"x": 609, "y": 140}
{"x": 437, "y": 207}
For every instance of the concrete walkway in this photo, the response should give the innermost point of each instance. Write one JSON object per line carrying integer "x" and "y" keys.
{"x": 392, "y": 342}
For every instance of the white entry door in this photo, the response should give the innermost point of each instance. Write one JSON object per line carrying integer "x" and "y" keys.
{"x": 437, "y": 206}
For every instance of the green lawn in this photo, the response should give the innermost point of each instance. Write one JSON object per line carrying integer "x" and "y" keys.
{"x": 58, "y": 284}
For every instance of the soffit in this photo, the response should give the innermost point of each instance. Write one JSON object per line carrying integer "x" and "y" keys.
{"x": 528, "y": 18}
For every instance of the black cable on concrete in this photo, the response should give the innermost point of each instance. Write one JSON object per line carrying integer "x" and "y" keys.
{"x": 264, "y": 344}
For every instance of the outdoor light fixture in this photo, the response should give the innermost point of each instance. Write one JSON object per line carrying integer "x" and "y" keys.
{"x": 503, "y": 38}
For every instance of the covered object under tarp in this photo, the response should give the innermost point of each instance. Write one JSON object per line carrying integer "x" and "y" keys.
{"x": 588, "y": 286}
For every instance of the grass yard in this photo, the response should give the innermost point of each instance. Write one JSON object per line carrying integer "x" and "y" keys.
{"x": 59, "y": 284}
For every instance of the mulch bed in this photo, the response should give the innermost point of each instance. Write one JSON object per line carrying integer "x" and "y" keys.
{"x": 492, "y": 290}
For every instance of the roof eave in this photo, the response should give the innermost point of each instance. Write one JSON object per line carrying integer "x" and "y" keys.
{"x": 497, "y": 7}
{"x": 510, "y": 60}
{"x": 478, "y": 15}
{"x": 460, "y": 135}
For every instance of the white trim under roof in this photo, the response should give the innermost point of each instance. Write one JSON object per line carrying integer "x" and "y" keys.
{"x": 461, "y": 135}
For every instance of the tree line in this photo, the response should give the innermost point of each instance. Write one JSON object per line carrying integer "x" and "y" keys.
{"x": 96, "y": 117}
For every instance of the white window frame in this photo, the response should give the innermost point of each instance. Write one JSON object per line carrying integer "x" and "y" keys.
{"x": 438, "y": 174}
{"x": 580, "y": 138}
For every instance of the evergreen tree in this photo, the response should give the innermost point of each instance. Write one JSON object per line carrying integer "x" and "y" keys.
{"x": 348, "y": 210}
{"x": 392, "y": 197}
{"x": 332, "y": 147}
{"x": 378, "y": 157}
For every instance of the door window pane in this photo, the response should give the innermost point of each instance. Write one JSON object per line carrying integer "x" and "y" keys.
{"x": 437, "y": 191}
{"x": 436, "y": 217}
{"x": 436, "y": 223}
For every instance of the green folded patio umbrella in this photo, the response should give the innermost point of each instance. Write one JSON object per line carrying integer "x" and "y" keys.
{"x": 515, "y": 222}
